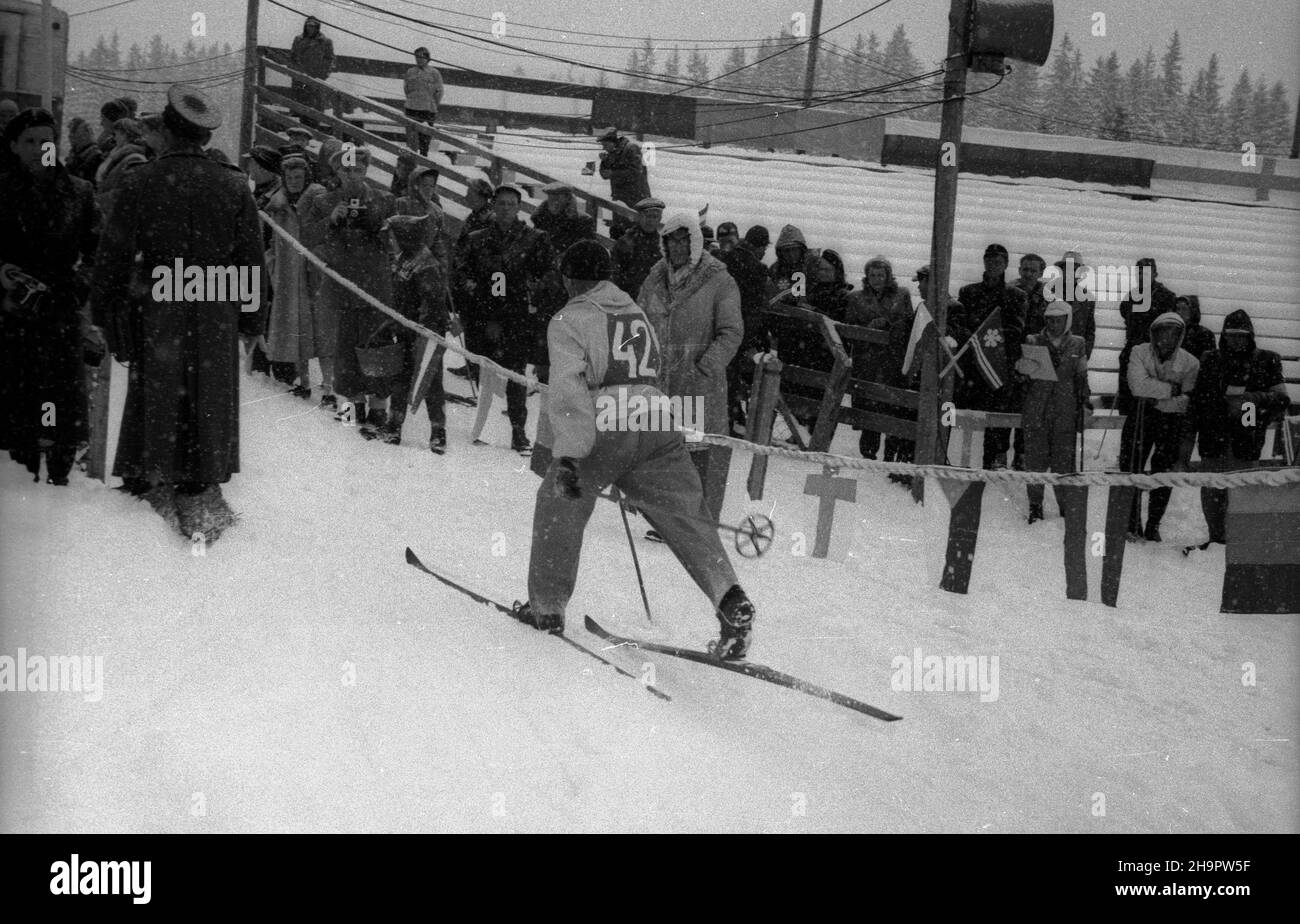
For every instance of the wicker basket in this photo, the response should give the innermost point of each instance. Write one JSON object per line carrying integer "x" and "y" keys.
{"x": 381, "y": 357}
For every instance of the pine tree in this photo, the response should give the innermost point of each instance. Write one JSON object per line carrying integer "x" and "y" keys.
{"x": 1104, "y": 100}
{"x": 135, "y": 58}
{"x": 1212, "y": 118}
{"x": 115, "y": 54}
{"x": 1238, "y": 114}
{"x": 190, "y": 53}
{"x": 632, "y": 79}
{"x": 697, "y": 70}
{"x": 1061, "y": 95}
{"x": 673, "y": 66}
{"x": 1195, "y": 127}
{"x": 650, "y": 66}
{"x": 1022, "y": 91}
{"x": 157, "y": 52}
{"x": 1279, "y": 117}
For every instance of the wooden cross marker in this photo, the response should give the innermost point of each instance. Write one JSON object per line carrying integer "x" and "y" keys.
{"x": 829, "y": 489}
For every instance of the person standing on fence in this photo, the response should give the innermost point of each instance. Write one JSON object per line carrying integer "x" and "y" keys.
{"x": 1161, "y": 379}
{"x": 313, "y": 54}
{"x": 648, "y": 466}
{"x": 343, "y": 226}
{"x": 885, "y": 306}
{"x": 622, "y": 165}
{"x": 179, "y": 440}
{"x": 423, "y": 87}
{"x": 301, "y": 326}
{"x": 694, "y": 305}
{"x": 497, "y": 271}
{"x": 1053, "y": 408}
{"x": 976, "y": 391}
{"x": 1239, "y": 393}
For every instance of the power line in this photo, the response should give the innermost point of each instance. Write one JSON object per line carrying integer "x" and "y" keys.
{"x": 637, "y": 38}
{"x": 789, "y": 48}
{"x": 160, "y": 67}
{"x": 100, "y": 8}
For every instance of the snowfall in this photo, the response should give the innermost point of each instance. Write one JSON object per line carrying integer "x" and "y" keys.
{"x": 300, "y": 676}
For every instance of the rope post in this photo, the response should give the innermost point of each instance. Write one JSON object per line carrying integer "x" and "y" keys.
{"x": 763, "y": 395}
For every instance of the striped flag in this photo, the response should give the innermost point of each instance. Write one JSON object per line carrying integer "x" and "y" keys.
{"x": 919, "y": 324}
{"x": 989, "y": 345}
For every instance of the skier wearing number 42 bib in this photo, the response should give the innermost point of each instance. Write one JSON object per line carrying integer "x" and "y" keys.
{"x": 605, "y": 356}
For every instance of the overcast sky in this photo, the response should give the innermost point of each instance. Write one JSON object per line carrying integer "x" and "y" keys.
{"x": 1262, "y": 35}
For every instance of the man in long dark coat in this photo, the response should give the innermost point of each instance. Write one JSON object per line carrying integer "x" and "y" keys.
{"x": 180, "y": 431}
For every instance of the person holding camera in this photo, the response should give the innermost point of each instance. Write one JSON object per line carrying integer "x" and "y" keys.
{"x": 48, "y": 238}
{"x": 343, "y": 226}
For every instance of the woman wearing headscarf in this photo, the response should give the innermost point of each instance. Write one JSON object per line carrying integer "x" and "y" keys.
{"x": 694, "y": 306}
{"x": 48, "y": 235}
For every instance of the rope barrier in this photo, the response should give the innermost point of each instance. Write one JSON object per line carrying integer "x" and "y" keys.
{"x": 1273, "y": 477}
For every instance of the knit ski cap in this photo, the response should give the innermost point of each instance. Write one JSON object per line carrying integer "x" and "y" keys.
{"x": 728, "y": 229}
{"x": 585, "y": 261}
{"x": 757, "y": 236}
{"x": 996, "y": 250}
{"x": 113, "y": 110}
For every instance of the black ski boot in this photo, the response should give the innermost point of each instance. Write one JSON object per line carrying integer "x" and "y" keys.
{"x": 547, "y": 622}
{"x": 374, "y": 422}
{"x": 1152, "y": 532}
{"x": 519, "y": 441}
{"x": 736, "y": 614}
{"x": 438, "y": 440}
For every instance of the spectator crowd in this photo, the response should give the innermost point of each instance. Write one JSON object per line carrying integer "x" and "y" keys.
{"x": 78, "y": 233}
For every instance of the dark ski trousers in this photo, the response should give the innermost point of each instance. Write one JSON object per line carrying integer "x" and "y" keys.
{"x": 1163, "y": 433}
{"x": 652, "y": 471}
{"x": 1048, "y": 449}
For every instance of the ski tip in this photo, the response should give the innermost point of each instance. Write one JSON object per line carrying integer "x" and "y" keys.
{"x": 411, "y": 557}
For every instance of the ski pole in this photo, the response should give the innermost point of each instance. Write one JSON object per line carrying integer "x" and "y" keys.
{"x": 636, "y": 561}
{"x": 758, "y": 529}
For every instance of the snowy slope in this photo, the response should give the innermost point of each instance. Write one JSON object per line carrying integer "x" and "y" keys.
{"x": 225, "y": 673}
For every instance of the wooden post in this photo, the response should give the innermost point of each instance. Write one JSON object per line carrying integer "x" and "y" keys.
{"x": 810, "y": 72}
{"x": 762, "y": 412}
{"x": 945, "y": 209}
{"x": 251, "y": 72}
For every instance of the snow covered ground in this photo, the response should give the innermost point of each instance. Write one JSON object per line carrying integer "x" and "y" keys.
{"x": 300, "y": 676}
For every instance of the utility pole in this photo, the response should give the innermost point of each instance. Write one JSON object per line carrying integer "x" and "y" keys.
{"x": 945, "y": 210}
{"x": 250, "y": 81}
{"x": 810, "y": 72}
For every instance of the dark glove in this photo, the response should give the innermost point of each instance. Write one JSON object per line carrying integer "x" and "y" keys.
{"x": 566, "y": 479}
{"x": 1175, "y": 389}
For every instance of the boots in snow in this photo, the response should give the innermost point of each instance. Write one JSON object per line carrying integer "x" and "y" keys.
{"x": 547, "y": 622}
{"x": 736, "y": 614}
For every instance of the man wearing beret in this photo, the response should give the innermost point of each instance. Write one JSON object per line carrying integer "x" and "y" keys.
{"x": 179, "y": 439}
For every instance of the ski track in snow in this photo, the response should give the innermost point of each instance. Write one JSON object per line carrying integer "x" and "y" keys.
{"x": 225, "y": 672}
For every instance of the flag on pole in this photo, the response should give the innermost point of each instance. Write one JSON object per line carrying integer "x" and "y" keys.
{"x": 919, "y": 324}
{"x": 989, "y": 346}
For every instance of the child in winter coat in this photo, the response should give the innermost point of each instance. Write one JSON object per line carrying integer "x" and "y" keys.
{"x": 1053, "y": 408}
